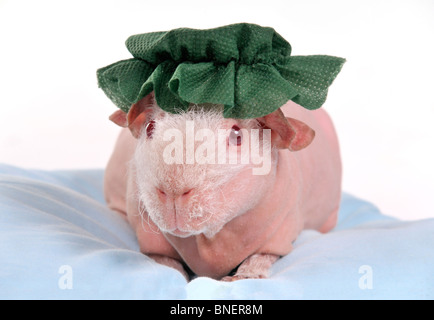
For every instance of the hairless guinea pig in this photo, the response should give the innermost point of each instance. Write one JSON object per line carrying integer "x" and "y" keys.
{"x": 217, "y": 194}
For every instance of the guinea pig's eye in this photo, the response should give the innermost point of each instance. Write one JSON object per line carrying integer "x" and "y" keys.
{"x": 150, "y": 128}
{"x": 235, "y": 136}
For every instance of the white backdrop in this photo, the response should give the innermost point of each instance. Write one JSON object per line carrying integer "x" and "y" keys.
{"x": 52, "y": 115}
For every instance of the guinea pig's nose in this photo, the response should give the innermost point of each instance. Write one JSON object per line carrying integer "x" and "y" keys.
{"x": 186, "y": 193}
{"x": 160, "y": 192}
{"x": 183, "y": 194}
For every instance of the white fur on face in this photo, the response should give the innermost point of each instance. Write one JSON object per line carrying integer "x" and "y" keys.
{"x": 217, "y": 192}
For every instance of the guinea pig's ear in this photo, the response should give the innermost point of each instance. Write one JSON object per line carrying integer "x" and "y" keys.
{"x": 136, "y": 116}
{"x": 287, "y": 133}
{"x": 120, "y": 118}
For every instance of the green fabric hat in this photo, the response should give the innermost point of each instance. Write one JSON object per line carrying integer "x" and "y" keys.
{"x": 245, "y": 67}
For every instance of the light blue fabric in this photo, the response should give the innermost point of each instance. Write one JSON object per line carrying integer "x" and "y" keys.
{"x": 59, "y": 241}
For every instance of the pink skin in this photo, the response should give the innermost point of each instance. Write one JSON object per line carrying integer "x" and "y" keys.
{"x": 302, "y": 191}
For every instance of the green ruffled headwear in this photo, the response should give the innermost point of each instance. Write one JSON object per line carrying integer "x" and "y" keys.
{"x": 245, "y": 67}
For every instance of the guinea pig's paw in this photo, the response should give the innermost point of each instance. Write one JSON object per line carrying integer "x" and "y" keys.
{"x": 170, "y": 262}
{"x": 254, "y": 267}
{"x": 242, "y": 277}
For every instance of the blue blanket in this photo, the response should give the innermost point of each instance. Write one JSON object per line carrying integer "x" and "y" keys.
{"x": 59, "y": 241}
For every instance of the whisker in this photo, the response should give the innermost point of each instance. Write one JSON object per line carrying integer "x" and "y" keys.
{"x": 141, "y": 210}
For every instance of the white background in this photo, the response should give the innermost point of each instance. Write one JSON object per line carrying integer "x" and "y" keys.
{"x": 53, "y": 116}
